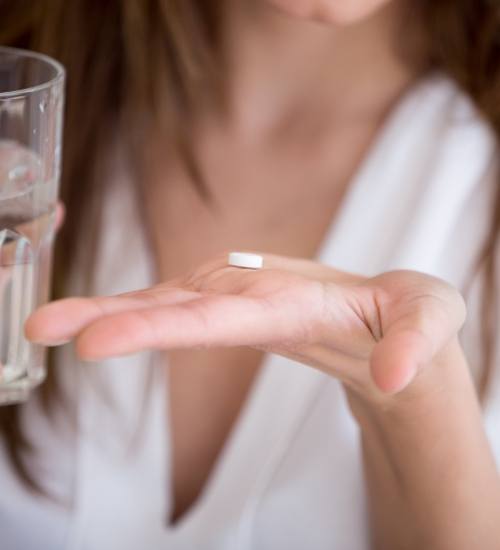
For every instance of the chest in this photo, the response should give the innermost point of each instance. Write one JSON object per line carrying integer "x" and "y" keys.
{"x": 259, "y": 199}
{"x": 262, "y": 196}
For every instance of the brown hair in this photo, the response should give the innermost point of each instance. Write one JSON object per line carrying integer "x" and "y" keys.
{"x": 154, "y": 57}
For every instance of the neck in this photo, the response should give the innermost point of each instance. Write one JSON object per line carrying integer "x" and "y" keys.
{"x": 280, "y": 66}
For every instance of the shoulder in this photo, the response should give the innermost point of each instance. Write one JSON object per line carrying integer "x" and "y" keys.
{"x": 447, "y": 141}
{"x": 434, "y": 173}
{"x": 462, "y": 169}
{"x": 438, "y": 98}
{"x": 436, "y": 141}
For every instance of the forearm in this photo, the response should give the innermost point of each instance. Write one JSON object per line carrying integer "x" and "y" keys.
{"x": 431, "y": 477}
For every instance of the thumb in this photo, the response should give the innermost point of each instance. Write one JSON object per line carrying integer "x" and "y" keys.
{"x": 411, "y": 342}
{"x": 396, "y": 359}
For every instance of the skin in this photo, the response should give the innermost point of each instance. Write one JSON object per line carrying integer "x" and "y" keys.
{"x": 391, "y": 340}
{"x": 304, "y": 310}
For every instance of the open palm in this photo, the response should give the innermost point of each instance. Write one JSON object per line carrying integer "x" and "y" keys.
{"x": 344, "y": 324}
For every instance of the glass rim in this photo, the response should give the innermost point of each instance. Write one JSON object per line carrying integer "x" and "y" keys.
{"x": 58, "y": 67}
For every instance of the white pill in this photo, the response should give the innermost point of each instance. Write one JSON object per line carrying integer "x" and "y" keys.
{"x": 244, "y": 259}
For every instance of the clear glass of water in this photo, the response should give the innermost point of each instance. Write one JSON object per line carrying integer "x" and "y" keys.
{"x": 31, "y": 110}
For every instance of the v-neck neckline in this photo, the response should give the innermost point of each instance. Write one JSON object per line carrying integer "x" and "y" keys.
{"x": 279, "y": 399}
{"x": 240, "y": 461}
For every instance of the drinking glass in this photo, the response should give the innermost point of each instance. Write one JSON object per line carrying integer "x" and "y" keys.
{"x": 31, "y": 110}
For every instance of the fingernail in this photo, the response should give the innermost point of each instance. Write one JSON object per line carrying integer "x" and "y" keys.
{"x": 59, "y": 343}
{"x": 51, "y": 343}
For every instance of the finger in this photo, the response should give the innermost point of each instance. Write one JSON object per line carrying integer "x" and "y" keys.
{"x": 413, "y": 341}
{"x": 216, "y": 320}
{"x": 60, "y": 215}
{"x": 60, "y": 321}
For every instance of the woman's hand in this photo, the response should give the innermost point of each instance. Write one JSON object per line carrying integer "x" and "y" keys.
{"x": 426, "y": 457}
{"x": 361, "y": 330}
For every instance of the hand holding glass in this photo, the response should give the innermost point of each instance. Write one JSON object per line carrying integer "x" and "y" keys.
{"x": 31, "y": 105}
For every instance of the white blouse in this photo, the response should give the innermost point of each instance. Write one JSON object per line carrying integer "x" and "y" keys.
{"x": 290, "y": 474}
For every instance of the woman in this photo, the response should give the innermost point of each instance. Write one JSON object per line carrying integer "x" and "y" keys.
{"x": 326, "y": 130}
